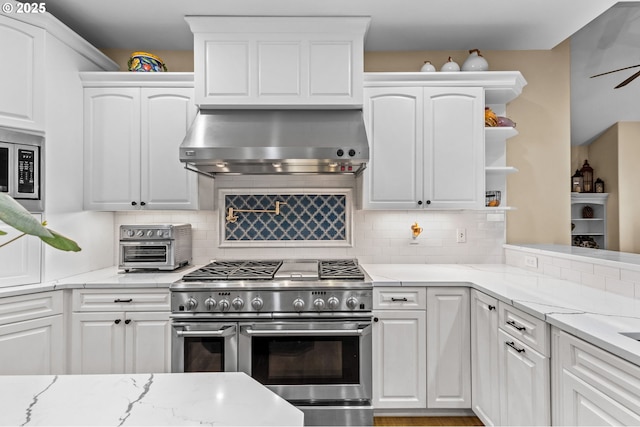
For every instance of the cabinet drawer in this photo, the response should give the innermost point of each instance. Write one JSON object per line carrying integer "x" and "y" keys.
{"x": 121, "y": 300}
{"x": 531, "y": 331}
{"x": 400, "y": 298}
{"x": 613, "y": 376}
{"x": 26, "y": 307}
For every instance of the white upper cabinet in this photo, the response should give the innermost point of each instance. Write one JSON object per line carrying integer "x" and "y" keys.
{"x": 22, "y": 79}
{"x": 427, "y": 138}
{"x": 278, "y": 62}
{"x": 426, "y": 148}
{"x": 133, "y": 129}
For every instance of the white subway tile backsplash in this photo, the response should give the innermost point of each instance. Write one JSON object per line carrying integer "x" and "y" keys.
{"x": 620, "y": 287}
{"x": 608, "y": 272}
{"x": 593, "y": 281}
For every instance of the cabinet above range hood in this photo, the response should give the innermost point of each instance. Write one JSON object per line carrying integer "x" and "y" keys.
{"x": 277, "y": 95}
{"x": 276, "y": 141}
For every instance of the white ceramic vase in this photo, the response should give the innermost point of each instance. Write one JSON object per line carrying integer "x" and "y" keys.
{"x": 475, "y": 62}
{"x": 428, "y": 67}
{"x": 450, "y": 65}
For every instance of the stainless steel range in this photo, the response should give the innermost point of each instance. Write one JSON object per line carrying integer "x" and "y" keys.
{"x": 302, "y": 328}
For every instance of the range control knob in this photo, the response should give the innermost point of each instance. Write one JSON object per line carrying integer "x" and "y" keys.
{"x": 210, "y": 303}
{"x": 130, "y": 233}
{"x": 298, "y": 304}
{"x": 318, "y": 304}
{"x": 352, "y": 152}
{"x": 333, "y": 303}
{"x": 159, "y": 233}
{"x": 257, "y": 303}
{"x": 191, "y": 304}
{"x": 340, "y": 152}
{"x": 237, "y": 303}
{"x": 224, "y": 305}
{"x": 140, "y": 233}
{"x": 352, "y": 303}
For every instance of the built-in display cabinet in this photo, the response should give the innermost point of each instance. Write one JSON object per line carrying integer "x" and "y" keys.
{"x": 429, "y": 146}
{"x": 589, "y": 219}
{"x": 134, "y": 124}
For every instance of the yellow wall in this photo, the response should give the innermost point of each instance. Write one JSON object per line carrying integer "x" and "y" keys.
{"x": 541, "y": 152}
{"x": 628, "y": 155}
{"x": 603, "y": 158}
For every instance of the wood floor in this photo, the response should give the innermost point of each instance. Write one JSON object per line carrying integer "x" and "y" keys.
{"x": 427, "y": 421}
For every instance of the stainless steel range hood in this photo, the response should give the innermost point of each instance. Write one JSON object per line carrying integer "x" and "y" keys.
{"x": 276, "y": 141}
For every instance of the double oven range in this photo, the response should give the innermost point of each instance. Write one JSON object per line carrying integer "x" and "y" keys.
{"x": 302, "y": 328}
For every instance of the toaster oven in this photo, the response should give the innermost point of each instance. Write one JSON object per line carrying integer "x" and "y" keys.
{"x": 154, "y": 247}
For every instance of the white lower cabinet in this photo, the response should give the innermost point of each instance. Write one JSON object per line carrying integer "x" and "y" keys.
{"x": 32, "y": 334}
{"x": 448, "y": 348}
{"x": 399, "y": 348}
{"x": 592, "y": 386}
{"x": 485, "y": 384}
{"x": 525, "y": 396}
{"x": 112, "y": 340}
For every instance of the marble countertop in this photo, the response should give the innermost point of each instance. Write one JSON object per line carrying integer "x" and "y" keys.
{"x": 591, "y": 314}
{"x": 230, "y": 399}
{"x": 110, "y": 277}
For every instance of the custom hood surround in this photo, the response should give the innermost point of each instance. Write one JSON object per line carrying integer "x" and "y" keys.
{"x": 277, "y": 95}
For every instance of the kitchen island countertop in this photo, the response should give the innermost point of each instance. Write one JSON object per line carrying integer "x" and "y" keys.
{"x": 230, "y": 399}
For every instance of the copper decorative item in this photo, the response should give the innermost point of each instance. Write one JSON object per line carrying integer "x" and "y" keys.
{"x": 587, "y": 177}
{"x": 416, "y": 230}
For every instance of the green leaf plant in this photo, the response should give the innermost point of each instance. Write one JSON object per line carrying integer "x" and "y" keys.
{"x": 13, "y": 214}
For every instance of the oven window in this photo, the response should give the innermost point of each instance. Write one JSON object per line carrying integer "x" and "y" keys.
{"x": 305, "y": 360}
{"x": 203, "y": 354}
{"x": 145, "y": 253}
{"x": 4, "y": 169}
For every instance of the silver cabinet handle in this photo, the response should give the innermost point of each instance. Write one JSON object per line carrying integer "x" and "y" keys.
{"x": 513, "y": 346}
{"x": 515, "y": 325}
{"x": 219, "y": 333}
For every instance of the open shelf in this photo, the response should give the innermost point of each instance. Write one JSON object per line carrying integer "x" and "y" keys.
{"x": 498, "y": 134}
{"x": 501, "y": 169}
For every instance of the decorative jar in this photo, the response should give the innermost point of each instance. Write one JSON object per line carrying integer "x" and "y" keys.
{"x": 145, "y": 62}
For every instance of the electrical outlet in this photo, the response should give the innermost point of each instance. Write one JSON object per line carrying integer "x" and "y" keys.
{"x": 461, "y": 235}
{"x": 531, "y": 261}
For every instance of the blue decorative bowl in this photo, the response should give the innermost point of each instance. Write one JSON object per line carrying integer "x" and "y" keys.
{"x": 145, "y": 62}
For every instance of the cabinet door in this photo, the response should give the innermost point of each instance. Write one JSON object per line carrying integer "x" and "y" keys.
{"x": 393, "y": 178}
{"x": 485, "y": 392}
{"x": 148, "y": 342}
{"x": 399, "y": 359}
{"x": 22, "y": 77}
{"x": 454, "y": 147}
{"x": 166, "y": 117}
{"x": 97, "y": 343}
{"x": 524, "y": 383}
{"x": 585, "y": 405}
{"x": 448, "y": 348}
{"x": 19, "y": 260}
{"x": 112, "y": 148}
{"x": 32, "y": 347}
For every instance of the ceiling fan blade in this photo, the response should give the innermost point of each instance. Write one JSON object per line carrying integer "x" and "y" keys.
{"x": 615, "y": 71}
{"x": 629, "y": 80}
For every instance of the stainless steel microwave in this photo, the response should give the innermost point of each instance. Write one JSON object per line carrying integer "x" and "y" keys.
{"x": 21, "y": 168}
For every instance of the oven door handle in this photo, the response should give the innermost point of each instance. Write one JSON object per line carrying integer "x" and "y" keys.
{"x": 307, "y": 332}
{"x": 224, "y": 332}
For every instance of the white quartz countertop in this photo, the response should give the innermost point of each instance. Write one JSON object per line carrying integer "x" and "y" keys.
{"x": 591, "y": 314}
{"x": 229, "y": 399}
{"x": 110, "y": 277}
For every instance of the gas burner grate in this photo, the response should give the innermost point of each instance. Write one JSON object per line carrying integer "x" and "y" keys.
{"x": 235, "y": 270}
{"x": 340, "y": 269}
